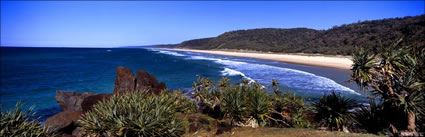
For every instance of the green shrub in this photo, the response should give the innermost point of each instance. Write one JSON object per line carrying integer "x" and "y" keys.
{"x": 232, "y": 104}
{"x": 289, "y": 110}
{"x": 333, "y": 110}
{"x": 182, "y": 102}
{"x": 17, "y": 123}
{"x": 133, "y": 114}
{"x": 257, "y": 102}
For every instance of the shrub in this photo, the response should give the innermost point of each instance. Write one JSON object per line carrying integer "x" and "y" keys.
{"x": 288, "y": 111}
{"x": 258, "y": 104}
{"x": 371, "y": 118}
{"x": 17, "y": 123}
{"x": 133, "y": 114}
{"x": 182, "y": 102}
{"x": 232, "y": 104}
{"x": 333, "y": 110}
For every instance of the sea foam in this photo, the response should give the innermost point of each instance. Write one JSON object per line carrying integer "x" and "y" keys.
{"x": 265, "y": 73}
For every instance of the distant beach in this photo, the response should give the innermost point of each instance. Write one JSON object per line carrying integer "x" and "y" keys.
{"x": 339, "y": 62}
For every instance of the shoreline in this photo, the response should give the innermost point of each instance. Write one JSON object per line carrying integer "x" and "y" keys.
{"x": 338, "y": 62}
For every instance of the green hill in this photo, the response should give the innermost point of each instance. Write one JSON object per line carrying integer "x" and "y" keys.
{"x": 337, "y": 40}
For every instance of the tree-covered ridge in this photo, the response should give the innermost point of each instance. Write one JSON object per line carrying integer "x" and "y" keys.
{"x": 337, "y": 40}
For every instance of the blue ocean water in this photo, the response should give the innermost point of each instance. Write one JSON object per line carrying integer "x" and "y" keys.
{"x": 33, "y": 75}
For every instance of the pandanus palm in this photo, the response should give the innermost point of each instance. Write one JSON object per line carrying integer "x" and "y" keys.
{"x": 391, "y": 74}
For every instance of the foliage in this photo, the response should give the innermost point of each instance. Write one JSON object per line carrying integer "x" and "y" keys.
{"x": 18, "y": 123}
{"x": 395, "y": 75}
{"x": 258, "y": 105}
{"x": 371, "y": 117}
{"x": 342, "y": 40}
{"x": 333, "y": 110}
{"x": 241, "y": 102}
{"x": 207, "y": 96}
{"x": 133, "y": 114}
{"x": 182, "y": 102}
{"x": 233, "y": 104}
{"x": 288, "y": 107}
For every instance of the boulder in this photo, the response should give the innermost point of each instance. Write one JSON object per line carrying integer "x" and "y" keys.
{"x": 63, "y": 122}
{"x": 70, "y": 100}
{"x": 89, "y": 101}
{"x": 125, "y": 80}
{"x": 147, "y": 81}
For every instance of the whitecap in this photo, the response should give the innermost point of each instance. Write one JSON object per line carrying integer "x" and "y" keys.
{"x": 232, "y": 72}
{"x": 289, "y": 77}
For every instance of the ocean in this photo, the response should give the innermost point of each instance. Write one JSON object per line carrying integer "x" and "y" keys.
{"x": 33, "y": 75}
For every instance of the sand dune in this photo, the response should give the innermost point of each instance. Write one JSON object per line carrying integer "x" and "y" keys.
{"x": 340, "y": 62}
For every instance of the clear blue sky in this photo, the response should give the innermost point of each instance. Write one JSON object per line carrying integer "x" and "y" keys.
{"x": 130, "y": 23}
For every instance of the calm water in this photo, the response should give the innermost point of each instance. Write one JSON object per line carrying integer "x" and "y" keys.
{"x": 34, "y": 74}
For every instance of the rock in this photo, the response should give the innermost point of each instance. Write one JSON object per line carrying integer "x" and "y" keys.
{"x": 147, "y": 81}
{"x": 162, "y": 86}
{"x": 70, "y": 100}
{"x": 125, "y": 80}
{"x": 63, "y": 122}
{"x": 89, "y": 101}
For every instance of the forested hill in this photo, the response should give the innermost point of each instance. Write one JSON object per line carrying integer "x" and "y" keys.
{"x": 337, "y": 40}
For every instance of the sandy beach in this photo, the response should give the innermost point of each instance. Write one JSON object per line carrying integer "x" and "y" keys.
{"x": 340, "y": 62}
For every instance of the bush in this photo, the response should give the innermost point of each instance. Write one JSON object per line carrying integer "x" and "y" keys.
{"x": 18, "y": 123}
{"x": 258, "y": 105}
{"x": 371, "y": 118}
{"x": 232, "y": 104}
{"x": 133, "y": 114}
{"x": 288, "y": 110}
{"x": 333, "y": 110}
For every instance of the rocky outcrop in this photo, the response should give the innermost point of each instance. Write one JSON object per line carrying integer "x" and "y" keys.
{"x": 148, "y": 81}
{"x": 74, "y": 104}
{"x": 124, "y": 81}
{"x": 89, "y": 101}
{"x": 64, "y": 122}
{"x": 70, "y": 101}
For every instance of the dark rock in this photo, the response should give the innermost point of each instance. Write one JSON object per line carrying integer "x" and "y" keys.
{"x": 147, "y": 81}
{"x": 89, "y": 101}
{"x": 125, "y": 80}
{"x": 70, "y": 100}
{"x": 162, "y": 86}
{"x": 63, "y": 122}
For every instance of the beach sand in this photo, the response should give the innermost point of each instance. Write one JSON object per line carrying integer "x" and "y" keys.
{"x": 340, "y": 62}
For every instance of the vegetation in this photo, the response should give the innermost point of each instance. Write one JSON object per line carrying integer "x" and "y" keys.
{"x": 396, "y": 76}
{"x": 241, "y": 102}
{"x": 333, "y": 110}
{"x": 371, "y": 118}
{"x": 133, "y": 114}
{"x": 342, "y": 40}
{"x": 18, "y": 123}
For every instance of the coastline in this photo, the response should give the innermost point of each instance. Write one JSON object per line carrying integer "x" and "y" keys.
{"x": 339, "y": 62}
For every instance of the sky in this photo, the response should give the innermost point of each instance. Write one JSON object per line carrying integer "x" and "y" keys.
{"x": 136, "y": 23}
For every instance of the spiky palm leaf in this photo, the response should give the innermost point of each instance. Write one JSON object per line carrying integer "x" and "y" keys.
{"x": 133, "y": 114}
{"x": 18, "y": 123}
{"x": 333, "y": 110}
{"x": 232, "y": 104}
{"x": 364, "y": 62}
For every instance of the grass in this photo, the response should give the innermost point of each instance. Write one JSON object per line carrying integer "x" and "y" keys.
{"x": 288, "y": 132}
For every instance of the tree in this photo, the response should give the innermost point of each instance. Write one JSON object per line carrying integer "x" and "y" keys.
{"x": 396, "y": 76}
